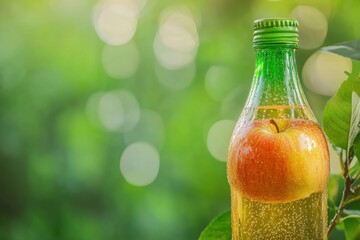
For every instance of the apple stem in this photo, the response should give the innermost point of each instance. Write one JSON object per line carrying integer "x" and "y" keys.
{"x": 272, "y": 121}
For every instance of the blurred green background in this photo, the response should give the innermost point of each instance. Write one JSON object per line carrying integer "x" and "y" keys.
{"x": 115, "y": 115}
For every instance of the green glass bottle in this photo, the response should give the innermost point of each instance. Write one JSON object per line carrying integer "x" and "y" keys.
{"x": 278, "y": 160}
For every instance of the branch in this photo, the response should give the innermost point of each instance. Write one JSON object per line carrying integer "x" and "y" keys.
{"x": 347, "y": 190}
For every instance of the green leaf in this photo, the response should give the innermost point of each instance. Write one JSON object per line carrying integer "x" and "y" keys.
{"x": 351, "y": 222}
{"x": 340, "y": 226}
{"x": 331, "y": 209}
{"x": 354, "y": 196}
{"x": 355, "y": 116}
{"x": 342, "y": 114}
{"x": 338, "y": 233}
{"x": 352, "y": 213}
{"x": 357, "y": 147}
{"x": 335, "y": 181}
{"x": 352, "y": 229}
{"x": 355, "y": 169}
{"x": 350, "y": 49}
{"x": 218, "y": 229}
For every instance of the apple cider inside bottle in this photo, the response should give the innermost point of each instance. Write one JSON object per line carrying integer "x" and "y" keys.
{"x": 278, "y": 160}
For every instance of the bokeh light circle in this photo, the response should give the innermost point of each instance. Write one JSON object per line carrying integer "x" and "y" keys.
{"x": 324, "y": 72}
{"x": 218, "y": 139}
{"x": 178, "y": 29}
{"x": 177, "y": 40}
{"x": 139, "y": 164}
{"x": 115, "y": 21}
{"x": 111, "y": 111}
{"x": 118, "y": 110}
{"x": 313, "y": 26}
{"x": 121, "y": 61}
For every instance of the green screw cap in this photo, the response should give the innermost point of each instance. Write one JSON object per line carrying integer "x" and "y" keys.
{"x": 270, "y": 31}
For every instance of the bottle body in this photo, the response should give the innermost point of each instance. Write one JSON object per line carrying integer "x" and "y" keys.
{"x": 302, "y": 219}
{"x": 278, "y": 160}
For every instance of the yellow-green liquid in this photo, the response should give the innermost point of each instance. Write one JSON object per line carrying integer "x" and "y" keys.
{"x": 304, "y": 219}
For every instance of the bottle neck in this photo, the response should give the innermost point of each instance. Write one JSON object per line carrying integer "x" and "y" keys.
{"x": 276, "y": 78}
{"x": 276, "y": 83}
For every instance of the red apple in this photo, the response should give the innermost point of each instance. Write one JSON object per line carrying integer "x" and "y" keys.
{"x": 278, "y": 160}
